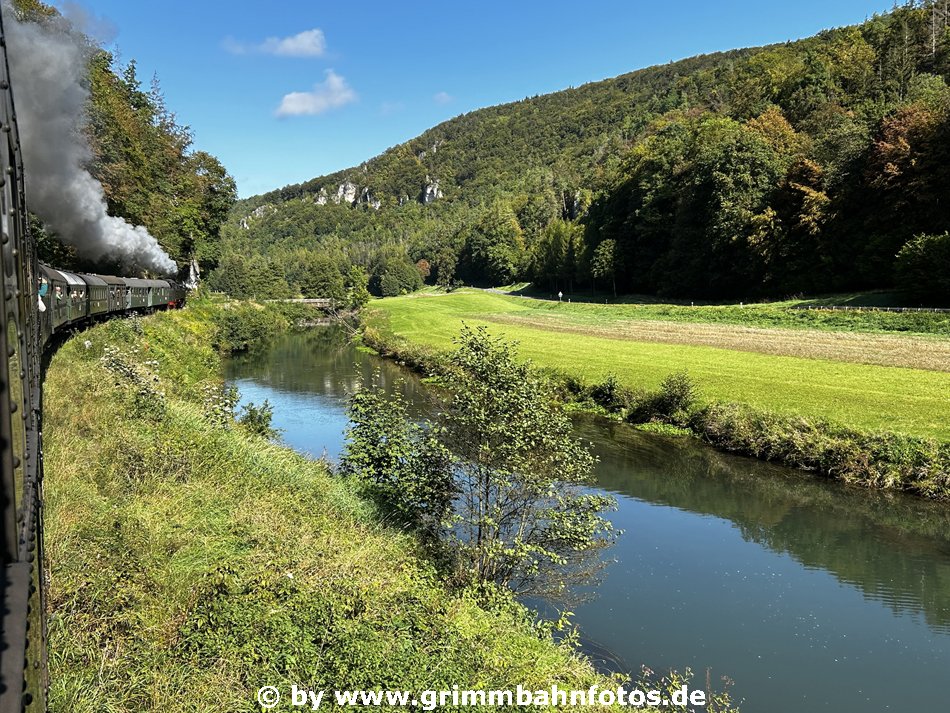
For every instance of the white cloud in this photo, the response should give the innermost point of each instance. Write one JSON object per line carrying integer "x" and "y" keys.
{"x": 332, "y": 93}
{"x": 310, "y": 43}
{"x": 442, "y": 98}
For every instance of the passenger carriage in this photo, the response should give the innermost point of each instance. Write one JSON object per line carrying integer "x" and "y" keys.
{"x": 68, "y": 298}
{"x": 97, "y": 295}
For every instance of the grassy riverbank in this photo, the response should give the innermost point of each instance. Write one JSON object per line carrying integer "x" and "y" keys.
{"x": 191, "y": 561}
{"x": 592, "y": 341}
{"x": 881, "y": 426}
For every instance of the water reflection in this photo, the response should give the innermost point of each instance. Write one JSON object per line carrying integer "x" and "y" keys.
{"x": 309, "y": 376}
{"x": 894, "y": 548}
{"x": 808, "y": 594}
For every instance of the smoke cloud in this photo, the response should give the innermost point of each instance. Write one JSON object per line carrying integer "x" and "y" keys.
{"x": 47, "y": 64}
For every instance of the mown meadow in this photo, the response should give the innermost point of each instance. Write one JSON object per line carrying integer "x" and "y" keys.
{"x": 592, "y": 342}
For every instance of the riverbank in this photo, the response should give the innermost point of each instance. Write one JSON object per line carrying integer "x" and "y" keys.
{"x": 191, "y": 561}
{"x": 803, "y": 578}
{"x": 879, "y": 427}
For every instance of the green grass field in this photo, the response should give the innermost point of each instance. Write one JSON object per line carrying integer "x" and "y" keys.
{"x": 191, "y": 562}
{"x": 809, "y": 313}
{"x": 589, "y": 341}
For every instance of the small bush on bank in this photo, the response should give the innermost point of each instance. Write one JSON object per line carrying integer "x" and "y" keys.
{"x": 496, "y": 473}
{"x": 671, "y": 403}
{"x": 612, "y": 395}
{"x": 401, "y": 461}
{"x": 258, "y": 419}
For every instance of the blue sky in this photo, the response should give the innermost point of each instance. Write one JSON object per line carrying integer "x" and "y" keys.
{"x": 287, "y": 90}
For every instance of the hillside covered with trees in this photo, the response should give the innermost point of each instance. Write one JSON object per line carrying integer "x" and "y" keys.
{"x": 812, "y": 166}
{"x": 144, "y": 158}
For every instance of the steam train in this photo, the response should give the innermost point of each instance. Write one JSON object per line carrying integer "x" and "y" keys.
{"x": 67, "y": 299}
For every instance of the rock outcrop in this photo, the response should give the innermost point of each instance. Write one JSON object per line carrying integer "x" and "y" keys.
{"x": 256, "y": 213}
{"x": 346, "y": 193}
{"x": 431, "y": 191}
{"x": 367, "y": 197}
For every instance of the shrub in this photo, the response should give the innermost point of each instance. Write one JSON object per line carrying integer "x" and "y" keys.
{"x": 670, "y": 404}
{"x": 389, "y": 285}
{"x": 243, "y": 327}
{"x": 402, "y": 463}
{"x": 918, "y": 268}
{"x": 612, "y": 396}
{"x": 258, "y": 419}
{"x": 506, "y": 453}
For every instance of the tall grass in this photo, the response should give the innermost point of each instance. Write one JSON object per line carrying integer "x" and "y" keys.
{"x": 192, "y": 561}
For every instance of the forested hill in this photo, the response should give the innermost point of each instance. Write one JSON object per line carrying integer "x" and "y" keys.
{"x": 802, "y": 167}
{"x": 571, "y": 132}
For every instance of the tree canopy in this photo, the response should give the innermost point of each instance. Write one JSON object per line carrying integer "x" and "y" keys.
{"x": 146, "y": 163}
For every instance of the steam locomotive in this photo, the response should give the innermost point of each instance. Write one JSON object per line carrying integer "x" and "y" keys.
{"x": 67, "y": 299}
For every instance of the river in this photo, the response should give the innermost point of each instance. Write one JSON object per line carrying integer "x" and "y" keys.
{"x": 808, "y": 595}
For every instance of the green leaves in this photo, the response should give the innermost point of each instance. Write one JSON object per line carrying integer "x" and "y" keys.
{"x": 403, "y": 462}
{"x": 501, "y": 459}
{"x": 922, "y": 268}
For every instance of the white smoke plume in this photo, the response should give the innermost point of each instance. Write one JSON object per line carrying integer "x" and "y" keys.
{"x": 47, "y": 64}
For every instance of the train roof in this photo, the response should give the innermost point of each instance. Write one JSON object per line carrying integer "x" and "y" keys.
{"x": 52, "y": 274}
{"x": 138, "y": 282}
{"x": 85, "y": 278}
{"x": 92, "y": 279}
{"x": 72, "y": 279}
{"x": 111, "y": 279}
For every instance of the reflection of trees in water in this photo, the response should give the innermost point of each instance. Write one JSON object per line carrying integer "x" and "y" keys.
{"x": 323, "y": 361}
{"x": 894, "y": 549}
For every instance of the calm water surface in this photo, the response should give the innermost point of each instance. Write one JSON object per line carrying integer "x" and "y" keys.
{"x": 808, "y": 595}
